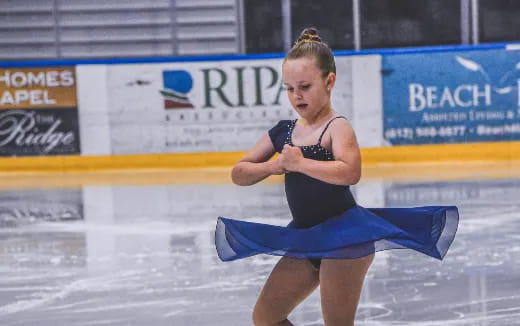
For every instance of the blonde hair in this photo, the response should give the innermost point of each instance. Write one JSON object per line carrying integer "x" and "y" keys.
{"x": 309, "y": 44}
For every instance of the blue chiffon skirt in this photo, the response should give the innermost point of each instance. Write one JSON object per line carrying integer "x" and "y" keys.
{"x": 355, "y": 233}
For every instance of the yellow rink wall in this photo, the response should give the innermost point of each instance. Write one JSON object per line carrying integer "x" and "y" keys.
{"x": 472, "y": 152}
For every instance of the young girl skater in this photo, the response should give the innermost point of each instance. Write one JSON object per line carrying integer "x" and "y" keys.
{"x": 331, "y": 240}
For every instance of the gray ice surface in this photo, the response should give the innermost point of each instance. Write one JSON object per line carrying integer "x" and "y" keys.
{"x": 144, "y": 255}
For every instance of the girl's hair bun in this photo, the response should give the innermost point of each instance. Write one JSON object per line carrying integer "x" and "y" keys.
{"x": 309, "y": 35}
{"x": 309, "y": 44}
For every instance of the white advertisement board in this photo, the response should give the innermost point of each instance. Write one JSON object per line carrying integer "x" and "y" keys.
{"x": 208, "y": 106}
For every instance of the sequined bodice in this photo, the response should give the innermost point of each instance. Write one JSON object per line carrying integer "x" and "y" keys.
{"x": 311, "y": 200}
{"x": 316, "y": 151}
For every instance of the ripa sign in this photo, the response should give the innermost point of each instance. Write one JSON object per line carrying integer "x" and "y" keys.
{"x": 201, "y": 106}
{"x": 223, "y": 87}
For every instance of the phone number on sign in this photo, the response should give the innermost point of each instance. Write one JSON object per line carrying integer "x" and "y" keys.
{"x": 425, "y": 132}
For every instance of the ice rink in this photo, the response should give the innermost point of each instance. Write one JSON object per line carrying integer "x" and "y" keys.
{"x": 136, "y": 248}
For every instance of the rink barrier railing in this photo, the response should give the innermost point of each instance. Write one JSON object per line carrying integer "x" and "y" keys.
{"x": 260, "y": 56}
{"x": 470, "y": 152}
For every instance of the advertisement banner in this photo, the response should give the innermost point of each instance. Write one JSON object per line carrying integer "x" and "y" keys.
{"x": 39, "y": 132}
{"x": 38, "y": 112}
{"x": 451, "y": 97}
{"x": 202, "y": 106}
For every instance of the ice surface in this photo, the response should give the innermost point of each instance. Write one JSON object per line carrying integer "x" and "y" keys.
{"x": 144, "y": 255}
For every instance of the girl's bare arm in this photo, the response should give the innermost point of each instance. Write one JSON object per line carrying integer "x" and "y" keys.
{"x": 255, "y": 165}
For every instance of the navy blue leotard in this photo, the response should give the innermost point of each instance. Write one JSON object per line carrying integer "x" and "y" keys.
{"x": 310, "y": 200}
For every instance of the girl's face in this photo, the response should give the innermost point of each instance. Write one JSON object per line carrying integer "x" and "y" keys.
{"x": 307, "y": 89}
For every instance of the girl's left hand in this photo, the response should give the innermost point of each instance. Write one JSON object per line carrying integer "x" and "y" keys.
{"x": 291, "y": 157}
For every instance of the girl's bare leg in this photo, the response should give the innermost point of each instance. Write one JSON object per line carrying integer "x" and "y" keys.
{"x": 290, "y": 282}
{"x": 341, "y": 281}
